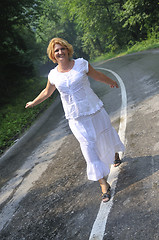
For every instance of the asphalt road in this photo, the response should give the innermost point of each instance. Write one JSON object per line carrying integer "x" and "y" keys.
{"x": 45, "y": 193}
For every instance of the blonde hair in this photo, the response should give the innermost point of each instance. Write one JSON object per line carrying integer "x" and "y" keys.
{"x": 62, "y": 42}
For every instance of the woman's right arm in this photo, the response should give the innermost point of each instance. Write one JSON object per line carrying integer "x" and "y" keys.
{"x": 47, "y": 92}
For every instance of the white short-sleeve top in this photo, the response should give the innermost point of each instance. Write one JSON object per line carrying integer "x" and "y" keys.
{"x": 78, "y": 99}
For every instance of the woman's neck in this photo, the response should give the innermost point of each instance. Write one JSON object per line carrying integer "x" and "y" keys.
{"x": 65, "y": 66}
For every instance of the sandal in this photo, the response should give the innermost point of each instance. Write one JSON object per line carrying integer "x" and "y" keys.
{"x": 106, "y": 195}
{"x": 117, "y": 161}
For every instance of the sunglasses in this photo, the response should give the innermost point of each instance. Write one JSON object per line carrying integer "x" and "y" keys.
{"x": 62, "y": 49}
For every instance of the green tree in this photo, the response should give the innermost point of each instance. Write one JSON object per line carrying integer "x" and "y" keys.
{"x": 55, "y": 21}
{"x": 98, "y": 22}
{"x": 139, "y": 17}
{"x": 18, "y": 43}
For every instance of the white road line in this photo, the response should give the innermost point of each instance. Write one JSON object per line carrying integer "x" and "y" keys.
{"x": 99, "y": 225}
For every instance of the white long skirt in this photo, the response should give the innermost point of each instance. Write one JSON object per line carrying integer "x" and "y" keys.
{"x": 99, "y": 142}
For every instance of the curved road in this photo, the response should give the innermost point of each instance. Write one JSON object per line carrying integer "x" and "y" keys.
{"x": 44, "y": 190}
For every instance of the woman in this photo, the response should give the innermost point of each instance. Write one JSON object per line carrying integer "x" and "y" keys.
{"x": 87, "y": 117}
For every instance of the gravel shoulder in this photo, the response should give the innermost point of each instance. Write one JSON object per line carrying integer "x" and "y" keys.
{"x": 135, "y": 213}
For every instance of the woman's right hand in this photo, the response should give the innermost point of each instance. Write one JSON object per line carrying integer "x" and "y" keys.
{"x": 29, "y": 105}
{"x": 42, "y": 96}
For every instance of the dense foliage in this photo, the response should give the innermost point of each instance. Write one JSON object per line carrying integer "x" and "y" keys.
{"x": 18, "y": 48}
{"x": 93, "y": 27}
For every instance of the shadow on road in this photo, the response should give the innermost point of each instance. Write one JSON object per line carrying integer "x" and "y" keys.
{"x": 135, "y": 211}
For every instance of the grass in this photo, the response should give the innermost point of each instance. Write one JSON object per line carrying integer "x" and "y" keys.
{"x": 15, "y": 119}
{"x": 148, "y": 44}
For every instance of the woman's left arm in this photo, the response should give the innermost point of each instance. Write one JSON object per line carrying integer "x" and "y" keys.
{"x": 99, "y": 76}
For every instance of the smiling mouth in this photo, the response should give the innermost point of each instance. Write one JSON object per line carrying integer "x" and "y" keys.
{"x": 61, "y": 55}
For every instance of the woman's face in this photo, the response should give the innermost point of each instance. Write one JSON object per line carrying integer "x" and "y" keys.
{"x": 60, "y": 52}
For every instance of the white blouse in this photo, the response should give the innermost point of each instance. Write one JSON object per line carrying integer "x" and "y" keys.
{"x": 77, "y": 97}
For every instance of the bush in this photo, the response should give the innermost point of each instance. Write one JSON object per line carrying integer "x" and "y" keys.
{"x": 15, "y": 119}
